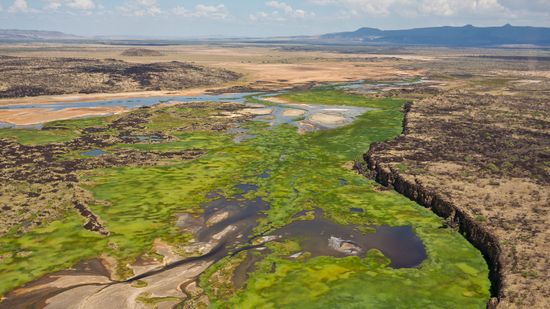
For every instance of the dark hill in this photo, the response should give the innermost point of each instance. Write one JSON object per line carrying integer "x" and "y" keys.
{"x": 447, "y": 36}
{"x": 34, "y": 35}
{"x": 141, "y": 52}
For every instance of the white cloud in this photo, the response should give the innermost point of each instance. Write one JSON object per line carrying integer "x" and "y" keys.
{"x": 212, "y": 11}
{"x": 81, "y": 4}
{"x": 180, "y": 10}
{"x": 540, "y": 6}
{"x": 19, "y": 6}
{"x": 218, "y": 11}
{"x": 457, "y": 7}
{"x": 280, "y": 5}
{"x": 52, "y": 4}
{"x": 287, "y": 9}
{"x": 436, "y": 7}
{"x": 446, "y": 8}
{"x": 141, "y": 8}
{"x": 282, "y": 11}
{"x": 263, "y": 16}
{"x": 152, "y": 8}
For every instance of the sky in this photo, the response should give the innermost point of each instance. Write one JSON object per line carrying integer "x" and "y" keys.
{"x": 252, "y": 18}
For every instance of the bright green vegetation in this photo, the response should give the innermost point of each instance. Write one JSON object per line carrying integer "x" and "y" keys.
{"x": 37, "y": 137}
{"x": 196, "y": 140}
{"x": 140, "y": 205}
{"x": 454, "y": 278}
{"x": 254, "y": 99}
{"x": 152, "y": 302}
{"x": 139, "y": 284}
{"x": 56, "y": 246}
{"x": 331, "y": 96}
{"x": 53, "y": 132}
{"x": 80, "y": 123}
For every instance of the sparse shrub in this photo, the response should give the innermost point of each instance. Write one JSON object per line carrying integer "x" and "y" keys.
{"x": 480, "y": 218}
{"x": 492, "y": 167}
{"x": 402, "y": 167}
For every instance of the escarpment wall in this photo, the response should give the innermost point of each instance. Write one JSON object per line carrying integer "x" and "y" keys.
{"x": 473, "y": 231}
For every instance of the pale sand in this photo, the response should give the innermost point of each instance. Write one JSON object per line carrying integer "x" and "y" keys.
{"x": 256, "y": 111}
{"x": 293, "y": 113}
{"x": 276, "y": 100}
{"x": 65, "y": 281}
{"x": 30, "y": 116}
{"x": 217, "y": 218}
{"x": 123, "y": 295}
{"x": 167, "y": 251}
{"x": 327, "y": 119}
{"x": 71, "y": 98}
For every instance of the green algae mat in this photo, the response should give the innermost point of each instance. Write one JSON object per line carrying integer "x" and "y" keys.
{"x": 307, "y": 173}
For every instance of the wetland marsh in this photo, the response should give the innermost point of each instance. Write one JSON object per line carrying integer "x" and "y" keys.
{"x": 276, "y": 219}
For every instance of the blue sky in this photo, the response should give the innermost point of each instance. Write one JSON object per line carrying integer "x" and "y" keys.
{"x": 200, "y": 18}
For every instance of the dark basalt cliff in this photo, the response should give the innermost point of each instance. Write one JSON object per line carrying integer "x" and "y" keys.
{"x": 475, "y": 232}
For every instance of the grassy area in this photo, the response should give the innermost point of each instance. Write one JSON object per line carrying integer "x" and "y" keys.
{"x": 37, "y": 137}
{"x": 175, "y": 117}
{"x": 196, "y": 140}
{"x": 141, "y": 203}
{"x": 59, "y": 245}
{"x": 332, "y": 96}
{"x": 53, "y": 132}
{"x": 308, "y": 178}
{"x": 80, "y": 123}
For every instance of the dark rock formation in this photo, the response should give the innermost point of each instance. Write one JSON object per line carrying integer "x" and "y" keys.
{"x": 475, "y": 232}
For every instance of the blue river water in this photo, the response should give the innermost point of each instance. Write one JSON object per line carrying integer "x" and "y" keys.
{"x": 136, "y": 102}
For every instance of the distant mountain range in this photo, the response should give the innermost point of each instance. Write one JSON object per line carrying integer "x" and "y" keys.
{"x": 34, "y": 35}
{"x": 446, "y": 36}
{"x": 435, "y": 36}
